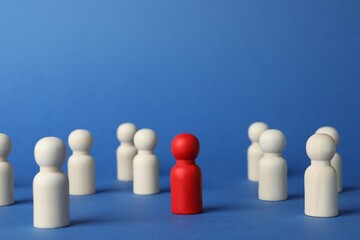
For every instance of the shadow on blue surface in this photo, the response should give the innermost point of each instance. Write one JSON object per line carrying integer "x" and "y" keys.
{"x": 351, "y": 189}
{"x": 164, "y": 190}
{"x": 221, "y": 208}
{"x": 348, "y": 212}
{"x": 106, "y": 190}
{"x": 85, "y": 222}
{"x": 295, "y": 196}
{"x": 23, "y": 201}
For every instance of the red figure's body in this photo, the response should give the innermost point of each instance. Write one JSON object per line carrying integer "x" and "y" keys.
{"x": 185, "y": 176}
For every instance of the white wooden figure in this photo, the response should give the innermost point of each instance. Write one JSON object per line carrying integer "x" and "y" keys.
{"x": 50, "y": 185}
{"x": 6, "y": 172}
{"x": 320, "y": 180}
{"x": 272, "y": 167}
{"x": 81, "y": 165}
{"x": 146, "y": 164}
{"x": 336, "y": 161}
{"x": 254, "y": 153}
{"x": 126, "y": 152}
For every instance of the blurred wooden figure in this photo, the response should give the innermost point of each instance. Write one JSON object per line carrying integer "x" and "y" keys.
{"x": 336, "y": 161}
{"x": 254, "y": 153}
{"x": 272, "y": 167}
{"x": 126, "y": 152}
{"x": 146, "y": 164}
{"x": 81, "y": 165}
{"x": 6, "y": 172}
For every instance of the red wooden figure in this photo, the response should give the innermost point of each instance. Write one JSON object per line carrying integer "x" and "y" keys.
{"x": 185, "y": 176}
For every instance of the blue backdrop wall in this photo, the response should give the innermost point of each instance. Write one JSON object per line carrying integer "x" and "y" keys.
{"x": 206, "y": 67}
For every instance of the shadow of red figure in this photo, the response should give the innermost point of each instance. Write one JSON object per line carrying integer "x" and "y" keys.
{"x": 185, "y": 176}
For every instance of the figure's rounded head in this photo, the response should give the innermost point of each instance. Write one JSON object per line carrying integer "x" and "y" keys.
{"x": 5, "y": 145}
{"x": 145, "y": 140}
{"x": 256, "y": 129}
{"x": 50, "y": 152}
{"x": 272, "y": 141}
{"x": 185, "y": 146}
{"x": 126, "y": 132}
{"x": 332, "y": 132}
{"x": 321, "y": 147}
{"x": 80, "y": 140}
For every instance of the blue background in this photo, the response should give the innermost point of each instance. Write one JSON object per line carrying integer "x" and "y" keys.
{"x": 206, "y": 67}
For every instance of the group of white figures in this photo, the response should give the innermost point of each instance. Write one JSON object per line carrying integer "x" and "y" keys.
{"x": 322, "y": 180}
{"x": 136, "y": 162}
{"x": 51, "y": 187}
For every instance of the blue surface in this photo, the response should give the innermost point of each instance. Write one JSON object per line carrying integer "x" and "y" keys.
{"x": 206, "y": 67}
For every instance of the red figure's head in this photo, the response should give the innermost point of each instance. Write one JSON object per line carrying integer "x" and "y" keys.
{"x": 185, "y": 146}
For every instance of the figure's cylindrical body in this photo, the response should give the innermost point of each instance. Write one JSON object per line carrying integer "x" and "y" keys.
{"x": 81, "y": 171}
{"x": 272, "y": 178}
{"x": 146, "y": 173}
{"x": 125, "y": 155}
{"x": 336, "y": 163}
{"x": 186, "y": 188}
{"x": 6, "y": 183}
{"x": 51, "y": 199}
{"x": 321, "y": 195}
{"x": 254, "y": 154}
